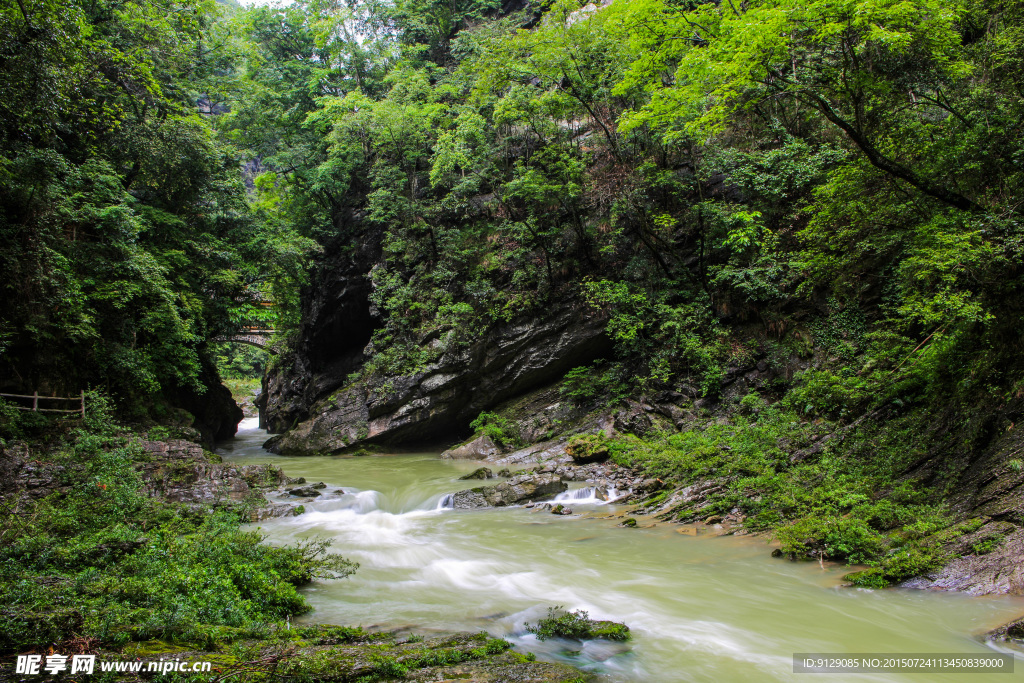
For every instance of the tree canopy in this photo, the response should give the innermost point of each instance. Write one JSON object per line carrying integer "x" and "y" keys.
{"x": 685, "y": 167}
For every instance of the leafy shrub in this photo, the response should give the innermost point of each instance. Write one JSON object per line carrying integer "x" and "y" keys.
{"x": 899, "y": 565}
{"x": 752, "y": 404}
{"x": 826, "y": 394}
{"x": 102, "y": 560}
{"x": 840, "y": 538}
{"x": 19, "y": 424}
{"x": 987, "y": 544}
{"x": 586, "y": 385}
{"x": 576, "y": 625}
{"x": 497, "y": 427}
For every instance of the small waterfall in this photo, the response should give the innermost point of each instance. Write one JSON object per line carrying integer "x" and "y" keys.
{"x": 358, "y": 502}
{"x": 577, "y": 494}
{"x": 587, "y": 494}
{"x": 447, "y": 502}
{"x": 366, "y": 501}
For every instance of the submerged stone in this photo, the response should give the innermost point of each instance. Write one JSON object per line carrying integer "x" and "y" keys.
{"x": 1014, "y": 631}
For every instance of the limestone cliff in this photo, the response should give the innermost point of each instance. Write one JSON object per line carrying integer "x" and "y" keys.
{"x": 439, "y": 401}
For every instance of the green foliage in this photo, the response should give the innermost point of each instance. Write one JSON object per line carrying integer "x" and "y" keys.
{"x": 128, "y": 237}
{"x": 676, "y": 341}
{"x": 100, "y": 559}
{"x": 849, "y": 539}
{"x": 19, "y": 424}
{"x": 780, "y": 156}
{"x": 601, "y": 382}
{"x": 497, "y": 427}
{"x": 900, "y": 565}
{"x": 822, "y": 393}
{"x": 718, "y": 182}
{"x": 239, "y": 361}
{"x": 987, "y": 544}
{"x": 847, "y": 503}
{"x": 576, "y": 625}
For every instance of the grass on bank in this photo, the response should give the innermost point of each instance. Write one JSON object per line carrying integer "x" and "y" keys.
{"x": 98, "y": 560}
{"x": 821, "y": 491}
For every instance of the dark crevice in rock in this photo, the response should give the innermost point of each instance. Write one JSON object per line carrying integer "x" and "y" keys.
{"x": 441, "y": 400}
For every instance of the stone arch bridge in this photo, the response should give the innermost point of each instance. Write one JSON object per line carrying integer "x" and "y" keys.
{"x": 253, "y": 336}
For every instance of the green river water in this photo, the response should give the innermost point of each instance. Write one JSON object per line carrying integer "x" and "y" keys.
{"x": 700, "y": 608}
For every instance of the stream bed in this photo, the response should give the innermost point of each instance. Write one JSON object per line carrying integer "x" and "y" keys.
{"x": 701, "y": 608}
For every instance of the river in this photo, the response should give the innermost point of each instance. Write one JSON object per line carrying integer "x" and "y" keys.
{"x": 701, "y": 608}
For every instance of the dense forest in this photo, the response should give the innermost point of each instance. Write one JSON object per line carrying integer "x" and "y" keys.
{"x": 686, "y": 166}
{"x": 826, "y": 190}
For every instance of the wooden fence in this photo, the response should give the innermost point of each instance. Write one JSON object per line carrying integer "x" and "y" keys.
{"x": 36, "y": 398}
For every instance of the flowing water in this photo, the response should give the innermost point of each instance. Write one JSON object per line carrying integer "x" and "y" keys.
{"x": 701, "y": 608}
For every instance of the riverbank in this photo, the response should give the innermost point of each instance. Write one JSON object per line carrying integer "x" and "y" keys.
{"x": 715, "y": 607}
{"x": 898, "y": 492}
{"x": 131, "y": 546}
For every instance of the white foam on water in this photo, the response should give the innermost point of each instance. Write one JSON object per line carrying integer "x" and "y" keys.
{"x": 462, "y": 574}
{"x": 359, "y": 502}
{"x": 693, "y": 616}
{"x": 586, "y": 496}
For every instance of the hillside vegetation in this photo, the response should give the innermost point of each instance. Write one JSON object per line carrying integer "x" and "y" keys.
{"x": 830, "y": 189}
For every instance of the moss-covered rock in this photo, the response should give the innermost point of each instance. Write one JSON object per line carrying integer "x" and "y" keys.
{"x": 577, "y": 625}
{"x": 588, "y": 448}
{"x": 478, "y": 473}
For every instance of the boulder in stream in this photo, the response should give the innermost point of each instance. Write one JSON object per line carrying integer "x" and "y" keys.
{"x": 588, "y": 448}
{"x": 1014, "y": 631}
{"x": 478, "y": 473}
{"x": 524, "y": 488}
{"x": 306, "y": 492}
{"x": 477, "y": 449}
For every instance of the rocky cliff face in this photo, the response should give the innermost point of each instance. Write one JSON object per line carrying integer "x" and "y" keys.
{"x": 441, "y": 400}
{"x": 214, "y": 411}
{"x": 990, "y": 489}
{"x": 337, "y": 323}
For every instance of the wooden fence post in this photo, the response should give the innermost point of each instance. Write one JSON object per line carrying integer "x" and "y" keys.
{"x": 83, "y": 404}
{"x": 35, "y": 401}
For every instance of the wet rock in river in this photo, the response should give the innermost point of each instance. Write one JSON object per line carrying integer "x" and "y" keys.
{"x": 478, "y": 473}
{"x": 1014, "y": 631}
{"x": 524, "y": 488}
{"x": 180, "y": 471}
{"x": 272, "y": 511}
{"x": 305, "y": 492}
